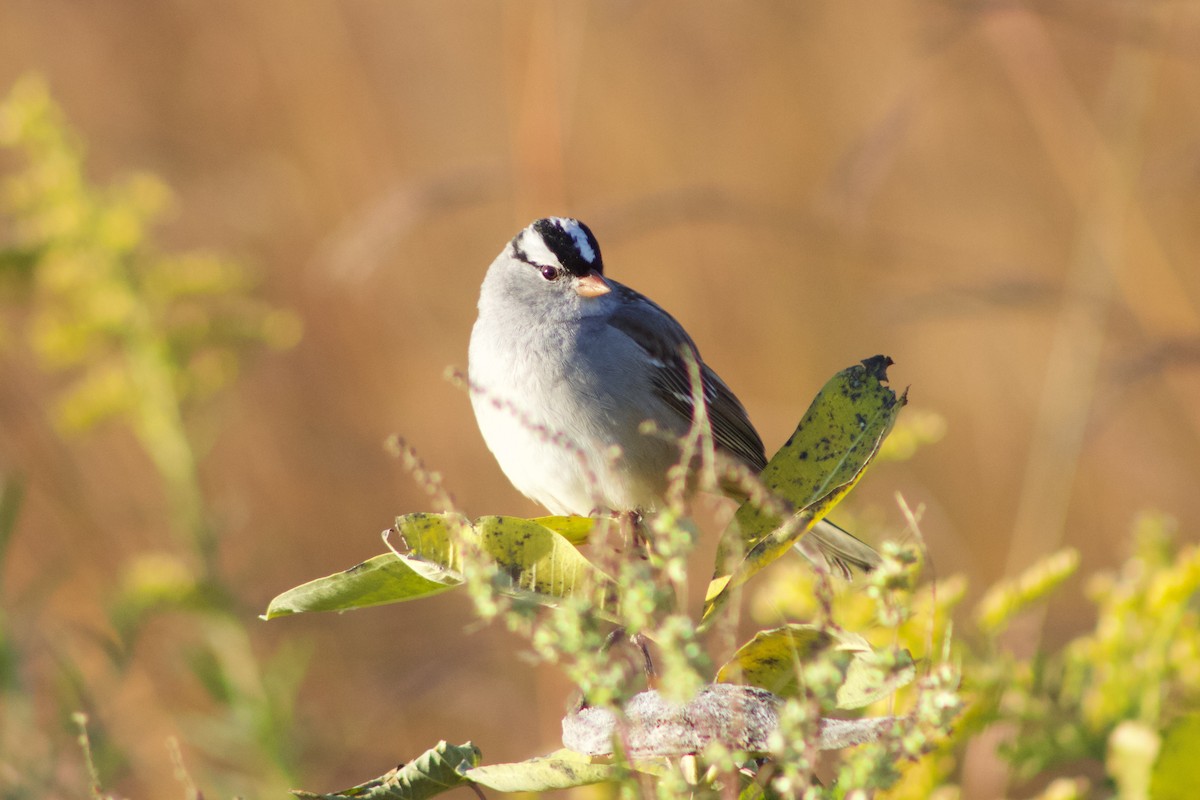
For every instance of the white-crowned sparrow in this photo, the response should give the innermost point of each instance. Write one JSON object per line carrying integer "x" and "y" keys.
{"x": 566, "y": 364}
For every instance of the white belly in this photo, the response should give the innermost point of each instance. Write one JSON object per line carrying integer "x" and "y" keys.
{"x": 559, "y": 450}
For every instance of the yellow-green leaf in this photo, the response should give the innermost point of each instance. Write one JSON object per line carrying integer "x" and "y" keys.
{"x": 575, "y": 530}
{"x": 427, "y": 541}
{"x": 387, "y": 578}
{"x": 873, "y": 676}
{"x": 822, "y": 461}
{"x": 537, "y": 559}
{"x": 561, "y": 769}
{"x": 771, "y": 660}
{"x": 1177, "y": 770}
{"x": 437, "y": 770}
{"x": 430, "y": 565}
{"x": 429, "y": 559}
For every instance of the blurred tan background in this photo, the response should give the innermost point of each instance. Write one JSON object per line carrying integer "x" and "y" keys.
{"x": 1000, "y": 196}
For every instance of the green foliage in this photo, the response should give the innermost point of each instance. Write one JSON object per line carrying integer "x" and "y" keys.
{"x": 1118, "y": 696}
{"x": 141, "y": 333}
{"x": 136, "y": 337}
{"x": 1004, "y": 601}
{"x": 1140, "y": 664}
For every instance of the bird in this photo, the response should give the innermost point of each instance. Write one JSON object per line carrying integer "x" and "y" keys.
{"x": 565, "y": 365}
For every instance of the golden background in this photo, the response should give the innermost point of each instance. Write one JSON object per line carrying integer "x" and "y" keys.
{"x": 1003, "y": 197}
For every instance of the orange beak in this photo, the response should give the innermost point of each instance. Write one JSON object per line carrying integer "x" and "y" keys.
{"x": 591, "y": 285}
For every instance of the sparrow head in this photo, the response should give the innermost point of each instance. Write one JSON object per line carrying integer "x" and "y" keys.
{"x": 557, "y": 256}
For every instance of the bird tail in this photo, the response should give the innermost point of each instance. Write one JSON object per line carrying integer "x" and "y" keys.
{"x": 841, "y": 551}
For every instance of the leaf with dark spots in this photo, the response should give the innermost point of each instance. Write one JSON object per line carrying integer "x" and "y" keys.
{"x": 559, "y": 770}
{"x": 844, "y": 427}
{"x": 536, "y": 561}
{"x": 772, "y": 660}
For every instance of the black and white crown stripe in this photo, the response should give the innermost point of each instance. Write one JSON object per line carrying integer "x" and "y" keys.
{"x": 559, "y": 242}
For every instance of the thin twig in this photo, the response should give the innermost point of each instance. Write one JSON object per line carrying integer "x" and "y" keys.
{"x": 428, "y": 480}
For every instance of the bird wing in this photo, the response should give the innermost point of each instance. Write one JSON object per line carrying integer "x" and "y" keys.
{"x": 669, "y": 348}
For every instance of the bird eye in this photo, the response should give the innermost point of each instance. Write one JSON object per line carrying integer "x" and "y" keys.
{"x": 550, "y": 273}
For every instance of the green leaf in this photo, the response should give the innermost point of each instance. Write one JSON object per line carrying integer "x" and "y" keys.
{"x": 561, "y": 769}
{"x": 574, "y": 529}
{"x": 536, "y": 561}
{"x": 429, "y": 541}
{"x": 387, "y": 578}
{"x": 428, "y": 568}
{"x": 435, "y": 771}
{"x": 873, "y": 676}
{"x": 822, "y": 461}
{"x": 1177, "y": 771}
{"x": 772, "y": 660}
